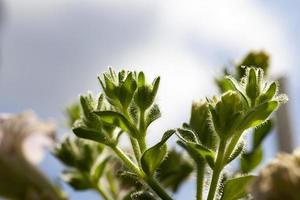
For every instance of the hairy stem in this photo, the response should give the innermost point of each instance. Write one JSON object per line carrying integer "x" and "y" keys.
{"x": 134, "y": 142}
{"x": 149, "y": 180}
{"x": 142, "y": 130}
{"x": 142, "y": 144}
{"x": 136, "y": 149}
{"x": 157, "y": 188}
{"x": 200, "y": 179}
{"x": 132, "y": 166}
{"x": 217, "y": 171}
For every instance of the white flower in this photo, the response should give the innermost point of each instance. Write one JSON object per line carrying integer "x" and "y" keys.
{"x": 280, "y": 179}
{"x": 24, "y": 135}
{"x": 22, "y": 141}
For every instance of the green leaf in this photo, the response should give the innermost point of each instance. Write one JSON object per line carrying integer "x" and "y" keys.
{"x": 270, "y": 93}
{"x": 86, "y": 133}
{"x": 237, "y": 151}
{"x": 167, "y": 135}
{"x": 141, "y": 79}
{"x": 155, "y": 86}
{"x": 118, "y": 120}
{"x": 152, "y": 115}
{"x": 258, "y": 115}
{"x": 238, "y": 87}
{"x": 198, "y": 152}
{"x": 236, "y": 188}
{"x": 261, "y": 132}
{"x": 134, "y": 112}
{"x": 153, "y": 156}
{"x": 186, "y": 135}
{"x": 250, "y": 161}
{"x": 224, "y": 84}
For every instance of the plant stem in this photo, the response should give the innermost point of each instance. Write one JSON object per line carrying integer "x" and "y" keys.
{"x": 127, "y": 161}
{"x": 217, "y": 171}
{"x": 139, "y": 146}
{"x": 149, "y": 180}
{"x": 134, "y": 142}
{"x": 136, "y": 149}
{"x": 200, "y": 179}
{"x": 142, "y": 144}
{"x": 142, "y": 130}
{"x": 102, "y": 193}
{"x": 157, "y": 188}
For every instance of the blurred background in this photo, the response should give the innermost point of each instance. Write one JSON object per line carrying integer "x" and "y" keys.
{"x": 53, "y": 50}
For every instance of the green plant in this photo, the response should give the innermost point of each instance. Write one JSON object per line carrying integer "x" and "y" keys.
{"x": 212, "y": 138}
{"x": 252, "y": 157}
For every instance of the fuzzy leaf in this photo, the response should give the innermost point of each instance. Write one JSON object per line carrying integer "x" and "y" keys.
{"x": 250, "y": 161}
{"x": 186, "y": 135}
{"x": 237, "y": 151}
{"x": 86, "y": 133}
{"x": 152, "y": 115}
{"x": 258, "y": 115}
{"x": 167, "y": 135}
{"x": 235, "y": 188}
{"x": 118, "y": 120}
{"x": 153, "y": 156}
{"x": 270, "y": 93}
{"x": 237, "y": 87}
{"x": 198, "y": 152}
{"x": 261, "y": 132}
{"x": 141, "y": 79}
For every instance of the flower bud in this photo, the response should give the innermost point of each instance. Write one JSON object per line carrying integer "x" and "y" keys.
{"x": 226, "y": 113}
{"x": 146, "y": 93}
{"x": 119, "y": 89}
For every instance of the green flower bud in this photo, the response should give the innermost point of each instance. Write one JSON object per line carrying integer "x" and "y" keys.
{"x": 226, "y": 113}
{"x": 199, "y": 123}
{"x": 88, "y": 105}
{"x": 145, "y": 93}
{"x": 119, "y": 89}
{"x": 252, "y": 86}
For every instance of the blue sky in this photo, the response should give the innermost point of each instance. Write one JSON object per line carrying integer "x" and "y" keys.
{"x": 52, "y": 50}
